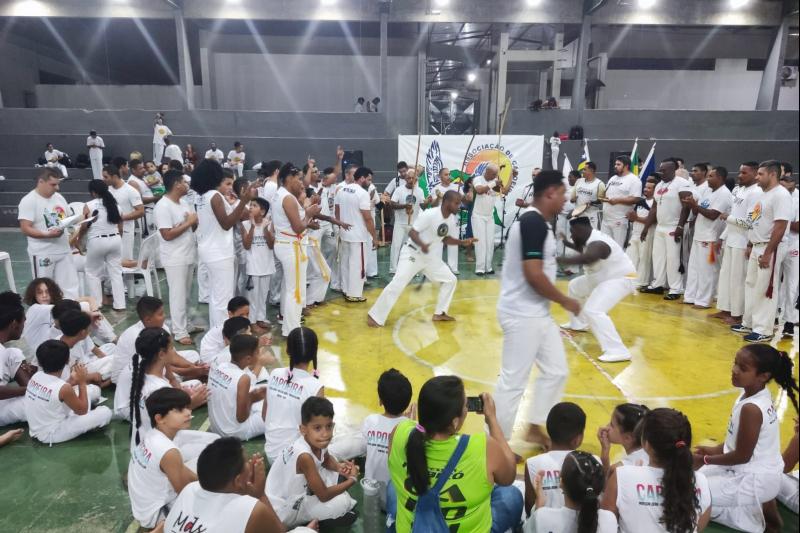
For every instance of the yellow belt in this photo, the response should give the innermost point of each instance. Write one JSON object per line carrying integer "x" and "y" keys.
{"x": 299, "y": 256}
{"x": 320, "y": 260}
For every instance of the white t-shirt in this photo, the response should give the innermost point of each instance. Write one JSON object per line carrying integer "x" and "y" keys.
{"x": 52, "y": 156}
{"x": 404, "y": 195}
{"x": 531, "y": 238}
{"x": 565, "y": 520}
{"x": 211, "y": 344}
{"x": 773, "y": 205}
{"x": 151, "y": 384}
{"x": 639, "y": 499}
{"x": 159, "y": 132}
{"x": 43, "y": 409}
{"x": 209, "y": 512}
{"x": 216, "y": 155}
{"x": 101, "y": 225}
{"x": 10, "y": 360}
{"x": 792, "y": 237}
{"x": 149, "y": 488}
{"x": 280, "y": 220}
{"x": 705, "y": 229}
{"x": 127, "y": 198}
{"x": 698, "y": 192}
{"x": 267, "y": 192}
{"x": 284, "y": 400}
{"x": 95, "y": 144}
{"x": 223, "y": 385}
{"x": 376, "y": 430}
{"x": 45, "y": 213}
{"x": 636, "y": 458}
{"x": 213, "y": 242}
{"x": 738, "y": 222}
{"x": 393, "y": 184}
{"x": 484, "y": 203}
{"x": 586, "y": 192}
{"x": 126, "y": 347}
{"x": 641, "y": 212}
{"x": 766, "y": 456}
{"x": 440, "y": 189}
{"x": 236, "y": 158}
{"x": 669, "y": 203}
{"x": 260, "y": 259}
{"x": 182, "y": 250}
{"x": 620, "y": 187}
{"x": 549, "y": 464}
{"x": 38, "y": 321}
{"x": 433, "y": 227}
{"x": 352, "y": 199}
{"x": 284, "y": 485}
{"x": 616, "y": 265}
{"x": 173, "y": 153}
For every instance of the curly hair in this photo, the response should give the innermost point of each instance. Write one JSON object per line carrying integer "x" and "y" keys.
{"x": 56, "y": 294}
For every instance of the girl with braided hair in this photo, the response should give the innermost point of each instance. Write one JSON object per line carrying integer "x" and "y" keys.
{"x": 288, "y": 389}
{"x": 582, "y": 480}
{"x": 744, "y": 473}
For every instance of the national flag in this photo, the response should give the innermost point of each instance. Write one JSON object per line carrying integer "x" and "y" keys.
{"x": 649, "y": 166}
{"x": 585, "y": 156}
{"x": 422, "y": 183}
{"x": 635, "y": 161}
{"x": 567, "y": 167}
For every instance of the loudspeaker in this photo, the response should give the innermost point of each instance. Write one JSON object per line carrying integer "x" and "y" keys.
{"x": 353, "y": 157}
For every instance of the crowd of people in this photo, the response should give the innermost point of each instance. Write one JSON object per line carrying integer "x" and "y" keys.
{"x": 293, "y": 234}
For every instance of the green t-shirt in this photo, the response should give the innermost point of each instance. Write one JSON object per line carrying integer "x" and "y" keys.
{"x": 465, "y": 498}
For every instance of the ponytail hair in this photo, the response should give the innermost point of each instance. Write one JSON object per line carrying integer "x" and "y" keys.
{"x": 100, "y": 188}
{"x": 669, "y": 434}
{"x": 149, "y": 343}
{"x": 441, "y": 400}
{"x": 301, "y": 345}
{"x": 584, "y": 479}
{"x": 629, "y": 417}
{"x": 778, "y": 364}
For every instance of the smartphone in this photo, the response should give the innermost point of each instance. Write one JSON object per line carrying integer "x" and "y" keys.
{"x": 474, "y": 404}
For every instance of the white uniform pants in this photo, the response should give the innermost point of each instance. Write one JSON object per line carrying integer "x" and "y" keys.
{"x": 276, "y": 284}
{"x": 641, "y": 255}
{"x": 192, "y": 442}
{"x": 251, "y": 428}
{"x": 372, "y": 262}
{"x": 75, "y": 425}
{"x": 789, "y": 494}
{"x": 701, "y": 281}
{"x": 58, "y": 267}
{"x": 202, "y": 283}
{"x": 220, "y": 291}
{"x": 257, "y": 295}
{"x": 158, "y": 152}
{"x": 103, "y": 258}
{"x": 483, "y": 230}
{"x": 293, "y": 259}
{"x": 759, "y": 308}
{"x": 411, "y": 263}
{"x": 597, "y": 298}
{"x": 96, "y": 159}
{"x": 353, "y": 267}
{"x": 736, "y": 497}
{"x": 616, "y": 229}
{"x": 330, "y": 250}
{"x": 307, "y": 508}
{"x": 452, "y": 256}
{"x": 319, "y": 273}
{"x": 12, "y": 411}
{"x": 179, "y": 284}
{"x": 240, "y": 276}
{"x": 128, "y": 239}
{"x": 562, "y": 227}
{"x": 399, "y": 238}
{"x": 730, "y": 291}
{"x": 529, "y": 340}
{"x": 788, "y": 294}
{"x": 666, "y": 262}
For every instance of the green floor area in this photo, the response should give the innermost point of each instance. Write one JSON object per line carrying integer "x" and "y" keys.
{"x": 80, "y": 485}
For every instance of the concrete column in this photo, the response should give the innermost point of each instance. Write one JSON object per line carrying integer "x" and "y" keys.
{"x": 556, "y": 89}
{"x": 602, "y": 74}
{"x": 770, "y": 80}
{"x": 384, "y": 89}
{"x": 543, "y": 75}
{"x": 422, "y": 101}
{"x": 579, "y": 84}
{"x": 502, "y": 75}
{"x": 184, "y": 61}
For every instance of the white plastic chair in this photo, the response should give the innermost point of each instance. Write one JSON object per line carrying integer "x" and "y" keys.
{"x": 6, "y": 260}
{"x": 76, "y": 208}
{"x": 146, "y": 266}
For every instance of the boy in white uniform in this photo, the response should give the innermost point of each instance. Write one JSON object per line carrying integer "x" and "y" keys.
{"x": 622, "y": 192}
{"x": 215, "y": 153}
{"x": 640, "y": 250}
{"x": 485, "y": 188}
{"x": 352, "y": 206}
{"x": 422, "y": 253}
{"x": 236, "y": 158}
{"x": 589, "y": 191}
{"x": 406, "y": 201}
{"x": 53, "y": 157}
{"x": 13, "y": 366}
{"x": 40, "y": 214}
{"x": 176, "y": 222}
{"x": 130, "y": 205}
{"x": 213, "y": 341}
{"x": 258, "y": 241}
{"x": 704, "y": 261}
{"x": 75, "y": 328}
{"x": 55, "y": 412}
{"x": 95, "y": 145}
{"x": 439, "y": 191}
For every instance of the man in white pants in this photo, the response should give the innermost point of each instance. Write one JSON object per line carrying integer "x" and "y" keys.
{"x": 640, "y": 250}
{"x": 769, "y": 220}
{"x": 730, "y": 290}
{"x": 486, "y": 188}
{"x": 589, "y": 191}
{"x": 40, "y": 214}
{"x": 176, "y": 222}
{"x": 130, "y": 206}
{"x": 268, "y": 176}
{"x": 445, "y": 184}
{"x": 623, "y": 191}
{"x": 791, "y": 263}
{"x": 669, "y": 215}
{"x": 608, "y": 277}
{"x": 329, "y": 242}
{"x": 423, "y": 253}
{"x": 530, "y": 335}
{"x": 95, "y": 145}
{"x": 406, "y": 202}
{"x": 352, "y": 207}
{"x": 703, "y": 271}
{"x": 160, "y": 130}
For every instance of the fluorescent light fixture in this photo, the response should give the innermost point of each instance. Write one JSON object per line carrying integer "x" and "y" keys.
{"x": 442, "y": 3}
{"x": 534, "y": 3}
{"x": 328, "y": 3}
{"x": 647, "y": 4}
{"x": 454, "y": 95}
{"x": 471, "y": 77}
{"x": 737, "y": 4}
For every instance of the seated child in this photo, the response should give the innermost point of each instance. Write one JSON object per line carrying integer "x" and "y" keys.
{"x": 240, "y": 325}
{"x": 790, "y": 487}
{"x": 623, "y": 429}
{"x": 56, "y": 411}
{"x": 75, "y": 328}
{"x": 13, "y": 366}
{"x": 302, "y": 483}
{"x": 212, "y": 342}
{"x": 258, "y": 240}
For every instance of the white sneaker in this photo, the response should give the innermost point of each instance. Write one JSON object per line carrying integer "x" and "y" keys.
{"x": 568, "y": 325}
{"x": 612, "y": 358}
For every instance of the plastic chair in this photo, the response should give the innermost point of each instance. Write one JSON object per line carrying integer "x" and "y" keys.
{"x": 76, "y": 208}
{"x": 6, "y": 260}
{"x": 146, "y": 266}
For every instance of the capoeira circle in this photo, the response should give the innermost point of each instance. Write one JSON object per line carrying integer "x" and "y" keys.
{"x": 609, "y": 276}
{"x": 423, "y": 253}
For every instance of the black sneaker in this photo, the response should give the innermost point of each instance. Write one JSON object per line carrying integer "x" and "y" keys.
{"x": 653, "y": 290}
{"x": 671, "y": 297}
{"x": 788, "y": 330}
{"x": 347, "y": 519}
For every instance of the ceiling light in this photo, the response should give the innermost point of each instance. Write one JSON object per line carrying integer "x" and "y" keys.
{"x": 736, "y": 4}
{"x": 442, "y": 3}
{"x": 647, "y": 4}
{"x": 488, "y": 62}
{"x": 534, "y": 3}
{"x": 471, "y": 77}
{"x": 328, "y": 3}
{"x": 454, "y": 95}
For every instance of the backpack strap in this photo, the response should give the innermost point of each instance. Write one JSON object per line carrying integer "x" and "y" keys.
{"x": 447, "y": 471}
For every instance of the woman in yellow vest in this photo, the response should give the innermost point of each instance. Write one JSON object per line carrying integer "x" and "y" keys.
{"x": 478, "y": 496}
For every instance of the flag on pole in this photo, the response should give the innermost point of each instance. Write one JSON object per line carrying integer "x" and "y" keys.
{"x": 585, "y": 156}
{"x": 635, "y": 161}
{"x": 649, "y": 166}
{"x": 567, "y": 167}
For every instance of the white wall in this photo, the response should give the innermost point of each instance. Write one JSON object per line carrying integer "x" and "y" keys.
{"x": 729, "y": 87}
{"x": 157, "y": 97}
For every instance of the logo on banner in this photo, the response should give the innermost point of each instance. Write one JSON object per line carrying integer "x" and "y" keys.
{"x": 485, "y": 154}
{"x": 433, "y": 164}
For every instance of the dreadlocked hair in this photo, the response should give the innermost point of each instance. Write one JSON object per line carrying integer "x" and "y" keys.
{"x": 149, "y": 343}
{"x": 302, "y": 348}
{"x": 669, "y": 434}
{"x": 584, "y": 479}
{"x": 778, "y": 364}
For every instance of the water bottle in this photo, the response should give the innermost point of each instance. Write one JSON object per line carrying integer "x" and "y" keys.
{"x": 372, "y": 510}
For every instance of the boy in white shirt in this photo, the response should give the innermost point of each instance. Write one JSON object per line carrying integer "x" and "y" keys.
{"x": 236, "y": 158}
{"x": 13, "y": 366}
{"x": 160, "y": 130}
{"x": 258, "y": 241}
{"x": 75, "y": 328}
{"x": 234, "y": 405}
{"x": 213, "y": 341}
{"x": 95, "y": 145}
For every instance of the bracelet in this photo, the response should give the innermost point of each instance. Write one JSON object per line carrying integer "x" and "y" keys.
{"x": 705, "y": 459}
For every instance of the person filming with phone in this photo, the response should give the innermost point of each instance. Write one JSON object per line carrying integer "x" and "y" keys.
{"x": 442, "y": 479}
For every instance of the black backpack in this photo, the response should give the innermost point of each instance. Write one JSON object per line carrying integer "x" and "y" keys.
{"x": 576, "y": 133}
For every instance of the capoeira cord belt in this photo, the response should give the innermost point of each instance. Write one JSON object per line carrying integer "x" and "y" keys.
{"x": 320, "y": 260}
{"x": 299, "y": 256}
